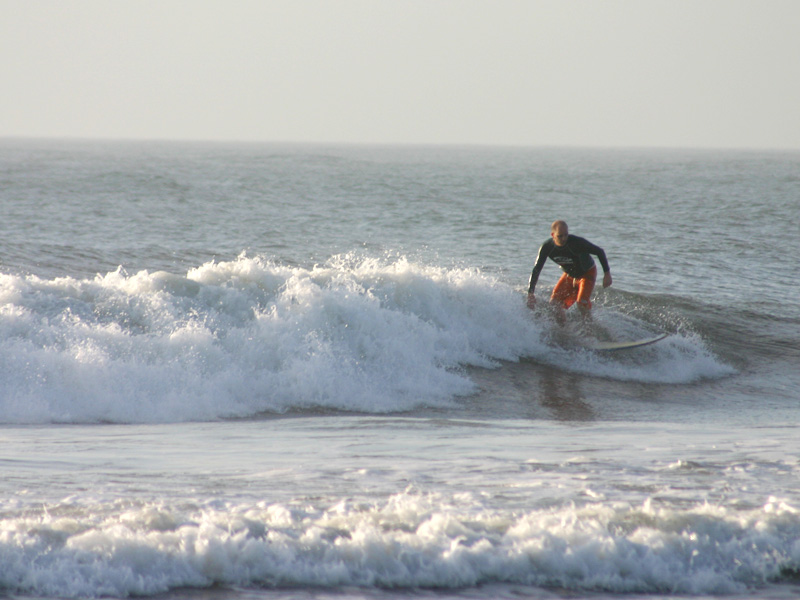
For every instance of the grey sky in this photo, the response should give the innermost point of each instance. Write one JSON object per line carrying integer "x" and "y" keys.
{"x": 710, "y": 73}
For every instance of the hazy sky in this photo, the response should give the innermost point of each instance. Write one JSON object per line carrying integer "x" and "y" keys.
{"x": 711, "y": 73}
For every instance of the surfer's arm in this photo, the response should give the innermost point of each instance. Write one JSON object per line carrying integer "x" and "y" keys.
{"x": 537, "y": 268}
{"x": 601, "y": 256}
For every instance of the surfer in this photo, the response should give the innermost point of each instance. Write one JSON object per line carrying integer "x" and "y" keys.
{"x": 573, "y": 255}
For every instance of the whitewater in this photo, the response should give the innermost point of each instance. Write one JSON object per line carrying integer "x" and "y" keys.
{"x": 239, "y": 338}
{"x": 275, "y": 371}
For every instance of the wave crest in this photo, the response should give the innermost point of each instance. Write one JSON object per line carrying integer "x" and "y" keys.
{"x": 237, "y": 338}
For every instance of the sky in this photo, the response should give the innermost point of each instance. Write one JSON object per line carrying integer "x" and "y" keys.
{"x": 608, "y": 73}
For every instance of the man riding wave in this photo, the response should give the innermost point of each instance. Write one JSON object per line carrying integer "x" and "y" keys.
{"x": 574, "y": 255}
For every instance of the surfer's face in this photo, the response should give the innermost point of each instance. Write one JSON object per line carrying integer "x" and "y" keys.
{"x": 560, "y": 235}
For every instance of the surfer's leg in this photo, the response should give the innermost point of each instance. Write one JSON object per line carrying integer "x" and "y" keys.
{"x": 584, "y": 291}
{"x": 564, "y": 295}
{"x": 565, "y": 292}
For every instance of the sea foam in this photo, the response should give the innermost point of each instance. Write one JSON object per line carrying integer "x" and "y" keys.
{"x": 249, "y": 336}
{"x": 407, "y": 541}
{"x": 246, "y": 336}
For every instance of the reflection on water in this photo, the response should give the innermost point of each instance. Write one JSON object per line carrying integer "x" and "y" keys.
{"x": 561, "y": 394}
{"x": 530, "y": 390}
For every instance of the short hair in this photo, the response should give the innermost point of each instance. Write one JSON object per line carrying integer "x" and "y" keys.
{"x": 558, "y": 224}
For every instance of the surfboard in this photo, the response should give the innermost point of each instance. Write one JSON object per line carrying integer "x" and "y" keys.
{"x": 625, "y": 345}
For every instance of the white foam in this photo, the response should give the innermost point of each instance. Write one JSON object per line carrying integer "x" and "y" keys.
{"x": 240, "y": 337}
{"x": 407, "y": 541}
{"x": 246, "y": 336}
{"x": 682, "y": 357}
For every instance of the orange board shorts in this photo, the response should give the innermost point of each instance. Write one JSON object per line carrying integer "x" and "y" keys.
{"x": 570, "y": 290}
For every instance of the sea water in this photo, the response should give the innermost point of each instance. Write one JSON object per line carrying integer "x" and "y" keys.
{"x": 277, "y": 371}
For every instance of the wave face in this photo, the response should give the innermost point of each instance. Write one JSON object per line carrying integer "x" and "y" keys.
{"x": 237, "y": 338}
{"x": 248, "y": 336}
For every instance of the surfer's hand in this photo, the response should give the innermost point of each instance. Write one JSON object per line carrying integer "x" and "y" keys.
{"x": 606, "y": 280}
{"x": 531, "y": 300}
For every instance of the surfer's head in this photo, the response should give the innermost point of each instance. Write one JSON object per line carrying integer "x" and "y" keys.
{"x": 559, "y": 232}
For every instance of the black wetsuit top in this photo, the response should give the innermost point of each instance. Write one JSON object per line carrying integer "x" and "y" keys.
{"x": 574, "y": 258}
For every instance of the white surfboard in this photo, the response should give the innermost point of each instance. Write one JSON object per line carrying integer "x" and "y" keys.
{"x": 625, "y": 345}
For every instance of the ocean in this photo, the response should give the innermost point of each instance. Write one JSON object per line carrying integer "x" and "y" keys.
{"x": 275, "y": 371}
